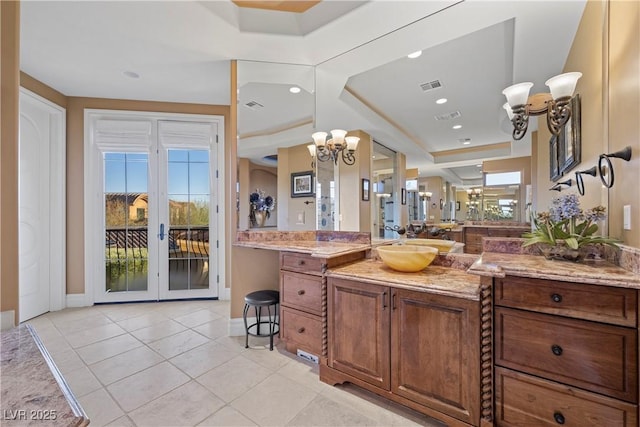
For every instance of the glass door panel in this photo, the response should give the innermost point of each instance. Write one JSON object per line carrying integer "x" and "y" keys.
{"x": 126, "y": 215}
{"x": 188, "y": 193}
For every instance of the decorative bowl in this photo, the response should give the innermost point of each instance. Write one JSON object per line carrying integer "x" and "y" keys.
{"x": 447, "y": 225}
{"x": 442, "y": 246}
{"x": 407, "y": 258}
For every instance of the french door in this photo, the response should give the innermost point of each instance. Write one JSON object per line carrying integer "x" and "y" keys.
{"x": 155, "y": 191}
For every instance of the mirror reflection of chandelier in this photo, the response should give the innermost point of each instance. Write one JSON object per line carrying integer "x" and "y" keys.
{"x": 474, "y": 193}
{"x": 338, "y": 146}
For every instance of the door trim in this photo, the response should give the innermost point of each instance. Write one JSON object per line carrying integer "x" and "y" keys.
{"x": 57, "y": 201}
{"x": 90, "y": 273}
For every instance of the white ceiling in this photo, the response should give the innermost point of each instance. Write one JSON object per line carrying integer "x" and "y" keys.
{"x": 363, "y": 80}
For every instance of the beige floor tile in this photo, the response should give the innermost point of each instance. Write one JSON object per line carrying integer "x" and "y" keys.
{"x": 274, "y": 402}
{"x": 272, "y": 360}
{"x": 55, "y": 345}
{"x": 119, "y": 312}
{"x": 235, "y": 343}
{"x": 305, "y": 373}
{"x": 143, "y": 321}
{"x": 158, "y": 331}
{"x": 67, "y": 361}
{"x": 100, "y": 408}
{"x": 196, "y": 318}
{"x": 214, "y": 329}
{"x": 187, "y": 405}
{"x": 101, "y": 350}
{"x": 326, "y": 412}
{"x": 122, "y": 422}
{"x": 95, "y": 334}
{"x": 227, "y": 417}
{"x": 223, "y": 308}
{"x": 173, "y": 309}
{"x": 202, "y": 359}
{"x": 362, "y": 401}
{"x": 234, "y": 378}
{"x": 70, "y": 326}
{"x": 179, "y": 343}
{"x": 82, "y": 381}
{"x": 145, "y": 386}
{"x": 124, "y": 364}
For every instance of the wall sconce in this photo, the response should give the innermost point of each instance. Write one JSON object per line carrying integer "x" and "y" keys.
{"x": 334, "y": 148}
{"x": 426, "y": 195}
{"x": 579, "y": 182}
{"x": 520, "y": 105}
{"x": 624, "y": 154}
{"x": 558, "y": 186}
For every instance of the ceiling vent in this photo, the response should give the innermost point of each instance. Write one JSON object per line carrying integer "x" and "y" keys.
{"x": 254, "y": 105}
{"x": 431, "y": 85}
{"x": 449, "y": 116}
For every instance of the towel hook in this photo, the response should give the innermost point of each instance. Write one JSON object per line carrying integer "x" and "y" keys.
{"x": 558, "y": 186}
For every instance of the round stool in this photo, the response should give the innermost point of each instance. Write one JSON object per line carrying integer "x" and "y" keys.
{"x": 257, "y": 300}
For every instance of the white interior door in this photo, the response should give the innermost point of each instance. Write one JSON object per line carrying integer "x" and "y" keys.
{"x": 41, "y": 197}
{"x": 154, "y": 198}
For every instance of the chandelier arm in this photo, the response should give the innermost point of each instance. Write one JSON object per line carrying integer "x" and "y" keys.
{"x": 323, "y": 155}
{"x": 558, "y": 114}
{"x": 348, "y": 158}
{"x": 520, "y": 122}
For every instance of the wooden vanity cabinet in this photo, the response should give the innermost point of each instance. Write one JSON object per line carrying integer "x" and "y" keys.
{"x": 302, "y": 283}
{"x": 565, "y": 353}
{"x": 416, "y": 348}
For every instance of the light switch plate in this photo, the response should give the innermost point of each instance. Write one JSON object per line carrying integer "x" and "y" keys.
{"x": 300, "y": 220}
{"x": 626, "y": 209}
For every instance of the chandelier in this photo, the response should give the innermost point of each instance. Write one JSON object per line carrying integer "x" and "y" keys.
{"x": 474, "y": 193}
{"x": 338, "y": 146}
{"x": 556, "y": 105}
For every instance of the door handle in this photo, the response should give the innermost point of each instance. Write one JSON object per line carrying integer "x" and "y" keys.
{"x": 161, "y": 235}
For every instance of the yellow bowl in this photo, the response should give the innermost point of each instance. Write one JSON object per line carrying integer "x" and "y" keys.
{"x": 443, "y": 246}
{"x": 449, "y": 225}
{"x": 407, "y": 258}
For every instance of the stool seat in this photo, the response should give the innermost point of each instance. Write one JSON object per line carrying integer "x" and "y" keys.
{"x": 262, "y": 298}
{"x": 258, "y": 300}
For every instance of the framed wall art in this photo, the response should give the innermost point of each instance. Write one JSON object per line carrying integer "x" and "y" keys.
{"x": 302, "y": 184}
{"x": 365, "y": 190}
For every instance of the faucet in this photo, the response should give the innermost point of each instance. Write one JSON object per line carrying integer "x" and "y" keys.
{"x": 396, "y": 228}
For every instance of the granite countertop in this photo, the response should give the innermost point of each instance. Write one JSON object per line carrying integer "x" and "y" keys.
{"x": 320, "y": 249}
{"x": 33, "y": 390}
{"x": 596, "y": 272}
{"x": 434, "y": 279}
{"x": 508, "y": 227}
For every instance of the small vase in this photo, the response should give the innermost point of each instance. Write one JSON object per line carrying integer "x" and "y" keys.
{"x": 261, "y": 217}
{"x": 560, "y": 251}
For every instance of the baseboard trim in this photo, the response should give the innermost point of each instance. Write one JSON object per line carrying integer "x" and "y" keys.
{"x": 77, "y": 300}
{"x": 8, "y": 318}
{"x": 225, "y": 294}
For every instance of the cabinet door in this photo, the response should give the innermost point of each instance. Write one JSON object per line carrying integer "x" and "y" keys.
{"x": 435, "y": 355}
{"x": 359, "y": 330}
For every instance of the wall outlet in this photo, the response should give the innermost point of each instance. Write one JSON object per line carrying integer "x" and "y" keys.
{"x": 626, "y": 221}
{"x": 308, "y": 356}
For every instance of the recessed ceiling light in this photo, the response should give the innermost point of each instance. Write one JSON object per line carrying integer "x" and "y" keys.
{"x": 414, "y": 55}
{"x": 441, "y": 101}
{"x": 294, "y": 89}
{"x": 457, "y": 127}
{"x": 131, "y": 74}
{"x": 466, "y": 143}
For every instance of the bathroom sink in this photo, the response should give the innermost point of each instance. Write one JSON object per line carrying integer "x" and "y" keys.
{"x": 407, "y": 258}
{"x": 443, "y": 246}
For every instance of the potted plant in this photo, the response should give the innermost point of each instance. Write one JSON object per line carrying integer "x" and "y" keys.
{"x": 261, "y": 206}
{"x": 566, "y": 231}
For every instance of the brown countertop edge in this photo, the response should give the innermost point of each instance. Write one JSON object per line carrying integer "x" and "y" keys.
{"x": 595, "y": 272}
{"x": 319, "y": 249}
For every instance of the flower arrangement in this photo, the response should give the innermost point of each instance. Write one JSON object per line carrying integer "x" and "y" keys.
{"x": 260, "y": 202}
{"x": 567, "y": 224}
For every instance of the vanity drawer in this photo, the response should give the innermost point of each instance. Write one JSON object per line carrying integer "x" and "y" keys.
{"x": 301, "y": 291}
{"x": 302, "y": 263}
{"x": 599, "y": 303}
{"x": 523, "y": 400}
{"x": 593, "y": 356}
{"x": 302, "y": 330}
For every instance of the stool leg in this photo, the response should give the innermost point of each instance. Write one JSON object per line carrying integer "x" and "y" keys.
{"x": 271, "y": 328}
{"x": 246, "y": 327}
{"x": 258, "y": 311}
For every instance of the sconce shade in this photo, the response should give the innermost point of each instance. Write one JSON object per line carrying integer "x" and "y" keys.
{"x": 352, "y": 142}
{"x": 338, "y": 137}
{"x": 563, "y": 85}
{"x": 320, "y": 139}
{"x": 508, "y": 109}
{"x": 517, "y": 94}
{"x": 312, "y": 149}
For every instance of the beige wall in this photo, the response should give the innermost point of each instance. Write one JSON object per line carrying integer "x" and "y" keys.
{"x": 606, "y": 50}
{"x": 9, "y": 84}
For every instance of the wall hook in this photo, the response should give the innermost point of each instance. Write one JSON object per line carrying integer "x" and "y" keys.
{"x": 579, "y": 182}
{"x": 306, "y": 202}
{"x": 558, "y": 186}
{"x": 624, "y": 154}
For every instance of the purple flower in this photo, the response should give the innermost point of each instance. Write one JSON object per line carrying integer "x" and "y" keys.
{"x": 566, "y": 207}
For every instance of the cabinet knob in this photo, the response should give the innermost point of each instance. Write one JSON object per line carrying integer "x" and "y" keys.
{"x": 301, "y": 292}
{"x": 556, "y": 349}
{"x": 556, "y": 298}
{"x": 558, "y": 417}
{"x": 301, "y": 262}
{"x": 300, "y": 330}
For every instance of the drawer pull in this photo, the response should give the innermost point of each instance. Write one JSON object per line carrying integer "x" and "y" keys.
{"x": 556, "y": 298}
{"x": 301, "y": 262}
{"x": 301, "y": 330}
{"x": 556, "y": 349}
{"x": 558, "y": 417}
{"x": 301, "y": 292}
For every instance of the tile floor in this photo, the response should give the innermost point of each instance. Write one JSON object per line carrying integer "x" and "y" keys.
{"x": 173, "y": 364}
